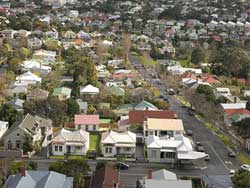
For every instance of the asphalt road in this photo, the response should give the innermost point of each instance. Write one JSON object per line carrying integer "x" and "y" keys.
{"x": 220, "y": 163}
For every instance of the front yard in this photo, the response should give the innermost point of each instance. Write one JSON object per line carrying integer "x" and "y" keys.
{"x": 94, "y": 142}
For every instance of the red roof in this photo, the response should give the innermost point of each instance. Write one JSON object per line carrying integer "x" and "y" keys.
{"x": 106, "y": 177}
{"x": 231, "y": 112}
{"x": 241, "y": 80}
{"x": 210, "y": 79}
{"x": 139, "y": 116}
{"x": 188, "y": 75}
{"x": 83, "y": 119}
{"x": 124, "y": 75}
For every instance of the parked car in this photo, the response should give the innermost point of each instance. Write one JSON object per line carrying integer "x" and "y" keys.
{"x": 231, "y": 173}
{"x": 230, "y": 153}
{"x": 207, "y": 157}
{"x": 245, "y": 167}
{"x": 122, "y": 166}
{"x": 200, "y": 148}
{"x": 189, "y": 132}
{"x": 92, "y": 154}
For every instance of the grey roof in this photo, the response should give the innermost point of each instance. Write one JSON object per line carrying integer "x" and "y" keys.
{"x": 163, "y": 175}
{"x": 39, "y": 179}
{"x": 82, "y": 105}
{"x": 17, "y": 103}
{"x": 218, "y": 181}
{"x": 29, "y": 124}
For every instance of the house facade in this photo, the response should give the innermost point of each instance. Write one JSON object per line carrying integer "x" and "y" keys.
{"x": 114, "y": 144}
{"x": 70, "y": 142}
{"x": 4, "y": 125}
{"x": 31, "y": 126}
{"x": 87, "y": 122}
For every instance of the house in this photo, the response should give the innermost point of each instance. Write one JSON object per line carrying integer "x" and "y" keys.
{"x": 52, "y": 34}
{"x": 36, "y": 67}
{"x": 27, "y": 78}
{"x": 42, "y": 179}
{"x": 114, "y": 144}
{"x": 69, "y": 35}
{"x": 89, "y": 89}
{"x": 246, "y": 93}
{"x": 163, "y": 127}
{"x": 87, "y": 122}
{"x": 30, "y": 126}
{"x": 49, "y": 56}
{"x": 4, "y": 125}
{"x": 222, "y": 91}
{"x": 70, "y": 143}
{"x": 235, "y": 115}
{"x": 17, "y": 104}
{"x": 34, "y": 43}
{"x": 63, "y": 93}
{"x": 117, "y": 91}
{"x": 106, "y": 177}
{"x": 226, "y": 106}
{"x": 37, "y": 94}
{"x": 161, "y": 179}
{"x": 217, "y": 181}
{"x": 144, "y": 105}
{"x": 82, "y": 105}
{"x": 171, "y": 149}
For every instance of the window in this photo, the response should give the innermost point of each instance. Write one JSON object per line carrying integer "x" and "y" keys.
{"x": 146, "y": 133}
{"x": 17, "y": 134}
{"x": 106, "y": 150}
{"x": 127, "y": 149}
{"x": 156, "y": 133}
{"x": 9, "y": 145}
{"x": 18, "y": 144}
{"x": 86, "y": 127}
{"x": 78, "y": 147}
{"x": 110, "y": 150}
{"x": 94, "y": 127}
{"x": 162, "y": 155}
{"x": 56, "y": 148}
{"x": 60, "y": 148}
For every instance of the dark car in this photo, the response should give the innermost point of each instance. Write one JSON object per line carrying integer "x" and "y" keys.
{"x": 122, "y": 166}
{"x": 189, "y": 132}
{"x": 200, "y": 148}
{"x": 207, "y": 157}
{"x": 92, "y": 154}
{"x": 230, "y": 153}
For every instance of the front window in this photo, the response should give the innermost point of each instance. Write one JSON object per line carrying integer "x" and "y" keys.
{"x": 94, "y": 127}
{"x": 56, "y": 148}
{"x": 18, "y": 144}
{"x": 78, "y": 147}
{"x": 127, "y": 149}
{"x": 60, "y": 148}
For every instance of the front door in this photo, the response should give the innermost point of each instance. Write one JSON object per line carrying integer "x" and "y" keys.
{"x": 68, "y": 149}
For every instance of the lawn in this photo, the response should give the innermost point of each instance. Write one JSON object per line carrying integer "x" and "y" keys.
{"x": 147, "y": 61}
{"x": 184, "y": 62}
{"x": 94, "y": 141}
{"x": 71, "y": 157}
{"x": 244, "y": 159}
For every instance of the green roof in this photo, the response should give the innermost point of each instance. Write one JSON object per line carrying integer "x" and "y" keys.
{"x": 117, "y": 91}
{"x": 145, "y": 104}
{"x": 61, "y": 90}
{"x": 105, "y": 121}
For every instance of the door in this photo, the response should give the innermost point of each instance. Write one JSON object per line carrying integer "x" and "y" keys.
{"x": 68, "y": 149}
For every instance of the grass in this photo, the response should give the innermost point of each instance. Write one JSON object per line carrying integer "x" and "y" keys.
{"x": 243, "y": 159}
{"x": 94, "y": 140}
{"x": 184, "y": 62}
{"x": 183, "y": 101}
{"x": 71, "y": 157}
{"x": 211, "y": 127}
{"x": 147, "y": 61}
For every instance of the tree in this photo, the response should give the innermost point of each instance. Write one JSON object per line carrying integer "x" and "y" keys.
{"x": 73, "y": 107}
{"x": 27, "y": 145}
{"x": 207, "y": 90}
{"x": 14, "y": 65}
{"x": 198, "y": 56}
{"x": 243, "y": 127}
{"x": 16, "y": 167}
{"x": 8, "y": 113}
{"x": 77, "y": 169}
{"x": 241, "y": 179}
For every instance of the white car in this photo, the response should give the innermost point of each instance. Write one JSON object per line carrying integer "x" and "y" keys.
{"x": 245, "y": 167}
{"x": 231, "y": 172}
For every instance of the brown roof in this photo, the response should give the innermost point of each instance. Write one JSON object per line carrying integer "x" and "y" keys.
{"x": 139, "y": 116}
{"x": 106, "y": 177}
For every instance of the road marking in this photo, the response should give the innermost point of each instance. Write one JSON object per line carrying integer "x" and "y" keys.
{"x": 218, "y": 156}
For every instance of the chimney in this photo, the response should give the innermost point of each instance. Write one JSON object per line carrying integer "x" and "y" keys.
{"x": 150, "y": 174}
{"x": 235, "y": 99}
{"x": 23, "y": 171}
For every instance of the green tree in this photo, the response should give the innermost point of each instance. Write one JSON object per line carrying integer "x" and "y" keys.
{"x": 16, "y": 167}
{"x": 207, "y": 90}
{"x": 14, "y": 65}
{"x": 73, "y": 107}
{"x": 27, "y": 145}
{"x": 198, "y": 56}
{"x": 91, "y": 109}
{"x": 8, "y": 113}
{"x": 241, "y": 179}
{"x": 74, "y": 168}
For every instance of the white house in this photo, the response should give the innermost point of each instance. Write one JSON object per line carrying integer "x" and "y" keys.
{"x": 89, "y": 89}
{"x": 163, "y": 127}
{"x": 49, "y": 56}
{"x": 87, "y": 122}
{"x": 246, "y": 93}
{"x": 27, "y": 78}
{"x": 35, "y": 66}
{"x": 70, "y": 142}
{"x": 114, "y": 144}
{"x": 227, "y": 106}
{"x": 171, "y": 149}
{"x": 4, "y": 125}
{"x": 34, "y": 43}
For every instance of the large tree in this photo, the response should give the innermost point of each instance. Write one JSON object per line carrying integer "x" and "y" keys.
{"x": 198, "y": 56}
{"x": 241, "y": 179}
{"x": 8, "y": 113}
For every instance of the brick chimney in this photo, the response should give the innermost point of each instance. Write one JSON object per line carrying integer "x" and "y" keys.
{"x": 150, "y": 174}
{"x": 23, "y": 171}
